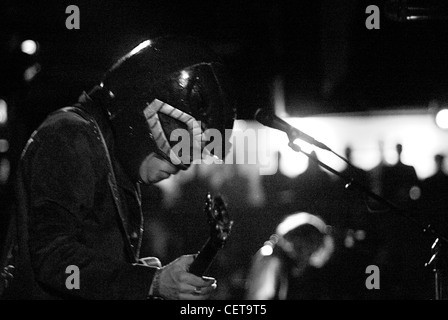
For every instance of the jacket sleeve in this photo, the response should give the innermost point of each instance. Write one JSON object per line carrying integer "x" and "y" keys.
{"x": 61, "y": 180}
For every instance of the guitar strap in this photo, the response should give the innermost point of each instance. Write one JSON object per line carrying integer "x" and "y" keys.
{"x": 111, "y": 180}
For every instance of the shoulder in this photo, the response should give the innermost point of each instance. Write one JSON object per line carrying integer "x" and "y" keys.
{"x": 63, "y": 120}
{"x": 61, "y": 131}
{"x": 65, "y": 126}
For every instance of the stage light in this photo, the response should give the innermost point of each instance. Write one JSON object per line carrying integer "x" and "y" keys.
{"x": 4, "y": 145}
{"x": 349, "y": 241}
{"x": 360, "y": 235}
{"x": 442, "y": 118}
{"x": 5, "y": 168}
{"x": 267, "y": 250}
{"x": 3, "y": 112}
{"x": 415, "y": 193}
{"x": 29, "y": 47}
{"x": 31, "y": 72}
{"x": 183, "y": 79}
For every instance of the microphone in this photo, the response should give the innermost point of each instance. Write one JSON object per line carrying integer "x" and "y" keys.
{"x": 269, "y": 119}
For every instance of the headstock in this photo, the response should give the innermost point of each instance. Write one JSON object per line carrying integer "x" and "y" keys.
{"x": 218, "y": 219}
{"x": 220, "y": 226}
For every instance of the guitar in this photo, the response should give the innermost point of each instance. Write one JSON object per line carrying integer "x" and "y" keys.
{"x": 220, "y": 227}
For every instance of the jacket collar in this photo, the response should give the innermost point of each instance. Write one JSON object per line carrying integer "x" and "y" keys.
{"x": 93, "y": 107}
{"x": 86, "y": 103}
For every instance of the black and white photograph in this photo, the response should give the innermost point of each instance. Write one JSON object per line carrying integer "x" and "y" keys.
{"x": 224, "y": 153}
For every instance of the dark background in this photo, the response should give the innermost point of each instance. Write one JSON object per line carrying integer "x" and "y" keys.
{"x": 328, "y": 59}
{"x": 329, "y": 62}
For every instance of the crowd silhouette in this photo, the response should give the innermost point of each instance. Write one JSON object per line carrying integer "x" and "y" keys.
{"x": 365, "y": 232}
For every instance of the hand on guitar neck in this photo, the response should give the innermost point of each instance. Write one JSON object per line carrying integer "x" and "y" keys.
{"x": 184, "y": 278}
{"x": 220, "y": 226}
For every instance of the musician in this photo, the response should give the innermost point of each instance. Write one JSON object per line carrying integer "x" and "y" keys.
{"x": 80, "y": 172}
{"x": 288, "y": 266}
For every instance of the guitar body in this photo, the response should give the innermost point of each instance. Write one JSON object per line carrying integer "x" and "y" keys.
{"x": 220, "y": 226}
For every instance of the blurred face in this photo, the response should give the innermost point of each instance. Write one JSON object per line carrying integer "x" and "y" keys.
{"x": 154, "y": 169}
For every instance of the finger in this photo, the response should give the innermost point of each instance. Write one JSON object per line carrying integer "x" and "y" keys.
{"x": 197, "y": 281}
{"x": 206, "y": 290}
{"x": 187, "y": 258}
{"x": 208, "y": 278}
{"x": 189, "y": 289}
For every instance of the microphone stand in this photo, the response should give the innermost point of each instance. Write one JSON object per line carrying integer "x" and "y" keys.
{"x": 351, "y": 183}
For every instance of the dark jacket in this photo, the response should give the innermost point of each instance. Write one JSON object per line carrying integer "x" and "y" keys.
{"x": 68, "y": 215}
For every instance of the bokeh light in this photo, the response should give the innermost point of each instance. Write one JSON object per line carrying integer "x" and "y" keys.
{"x": 3, "y": 112}
{"x": 442, "y": 119}
{"x": 29, "y": 47}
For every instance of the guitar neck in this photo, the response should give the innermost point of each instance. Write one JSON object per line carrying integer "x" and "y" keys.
{"x": 204, "y": 258}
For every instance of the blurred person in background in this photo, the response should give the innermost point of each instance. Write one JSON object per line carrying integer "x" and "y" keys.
{"x": 288, "y": 266}
{"x": 434, "y": 196}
